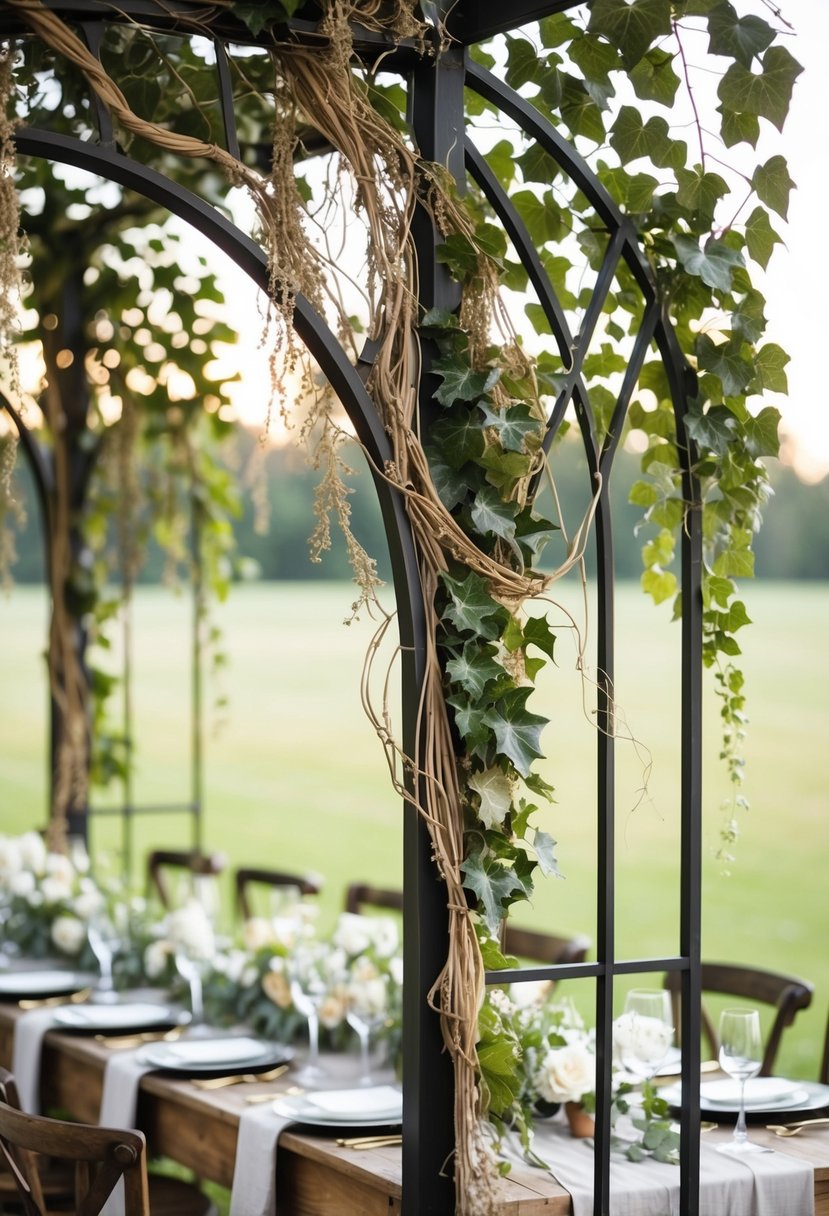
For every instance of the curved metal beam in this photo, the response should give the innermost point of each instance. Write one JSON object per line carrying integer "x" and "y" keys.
{"x": 310, "y": 327}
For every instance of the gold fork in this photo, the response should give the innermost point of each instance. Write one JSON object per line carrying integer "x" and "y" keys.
{"x": 121, "y": 1041}
{"x": 366, "y": 1142}
{"x": 239, "y": 1078}
{"x": 792, "y": 1129}
{"x": 46, "y": 1002}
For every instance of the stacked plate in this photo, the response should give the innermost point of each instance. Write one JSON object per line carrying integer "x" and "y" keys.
{"x": 40, "y": 983}
{"x": 378, "y": 1104}
{"x": 764, "y": 1095}
{"x": 131, "y": 1015}
{"x": 229, "y": 1054}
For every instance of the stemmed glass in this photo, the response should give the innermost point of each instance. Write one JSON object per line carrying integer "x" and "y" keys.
{"x": 191, "y": 968}
{"x": 309, "y": 989}
{"x": 104, "y": 940}
{"x": 741, "y": 1056}
{"x": 191, "y": 932}
{"x": 366, "y": 1013}
{"x": 644, "y": 1032}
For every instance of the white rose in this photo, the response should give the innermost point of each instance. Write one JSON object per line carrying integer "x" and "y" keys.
{"x": 533, "y": 992}
{"x": 34, "y": 899}
{"x": 369, "y": 997}
{"x": 87, "y": 904}
{"x": 335, "y": 963}
{"x": 68, "y": 934}
{"x": 384, "y": 935}
{"x": 55, "y": 890}
{"x": 566, "y": 1074}
{"x": 364, "y": 969}
{"x": 641, "y": 1038}
{"x": 249, "y": 976}
{"x": 285, "y": 931}
{"x": 10, "y": 859}
{"x": 353, "y": 933}
{"x": 156, "y": 957}
{"x": 32, "y": 851}
{"x": 60, "y": 867}
{"x": 332, "y": 1010}
{"x": 256, "y": 932}
{"x": 396, "y": 970}
{"x": 190, "y": 929}
{"x": 22, "y": 884}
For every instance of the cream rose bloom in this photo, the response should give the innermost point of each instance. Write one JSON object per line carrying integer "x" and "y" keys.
{"x": 256, "y": 932}
{"x": 68, "y": 934}
{"x": 332, "y": 1010}
{"x": 353, "y": 933}
{"x": 10, "y": 859}
{"x": 277, "y": 989}
{"x": 189, "y": 929}
{"x": 32, "y": 851}
{"x": 55, "y": 889}
{"x": 22, "y": 884}
{"x": 566, "y": 1074}
{"x": 156, "y": 957}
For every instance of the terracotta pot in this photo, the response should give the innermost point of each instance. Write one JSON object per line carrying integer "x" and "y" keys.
{"x": 582, "y": 1125}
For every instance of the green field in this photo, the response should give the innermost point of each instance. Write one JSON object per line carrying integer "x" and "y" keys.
{"x": 295, "y": 778}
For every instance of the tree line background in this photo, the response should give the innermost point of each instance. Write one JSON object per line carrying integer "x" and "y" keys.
{"x": 793, "y": 542}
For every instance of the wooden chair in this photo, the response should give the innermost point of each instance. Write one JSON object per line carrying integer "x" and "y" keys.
{"x": 360, "y": 895}
{"x": 824, "y": 1067}
{"x": 785, "y": 993}
{"x": 544, "y": 947}
{"x": 162, "y": 862}
{"x": 54, "y": 1162}
{"x": 248, "y": 877}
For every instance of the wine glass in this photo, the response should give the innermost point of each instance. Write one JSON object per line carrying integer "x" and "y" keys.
{"x": 366, "y": 1013}
{"x": 644, "y": 1032}
{"x": 104, "y": 940}
{"x": 194, "y": 946}
{"x": 741, "y": 1055}
{"x": 309, "y": 989}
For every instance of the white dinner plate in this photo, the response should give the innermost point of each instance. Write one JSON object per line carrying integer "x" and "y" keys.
{"x": 229, "y": 1054}
{"x": 129, "y": 1016}
{"x": 807, "y": 1098}
{"x": 27, "y": 984}
{"x": 343, "y": 1108}
{"x": 760, "y": 1091}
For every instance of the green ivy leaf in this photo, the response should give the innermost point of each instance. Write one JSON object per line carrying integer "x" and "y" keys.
{"x": 494, "y": 789}
{"x": 459, "y": 437}
{"x": 474, "y": 669}
{"x": 714, "y": 263}
{"x": 459, "y": 254}
{"x": 544, "y": 845}
{"x": 451, "y": 485}
{"x": 633, "y": 137}
{"x": 515, "y": 426}
{"x": 713, "y": 430}
{"x": 471, "y": 608}
{"x": 760, "y": 237}
{"x": 523, "y": 63}
{"x": 492, "y": 516}
{"x": 769, "y": 362}
{"x": 517, "y": 731}
{"x": 700, "y": 191}
{"x": 762, "y": 432}
{"x": 739, "y": 128}
{"x": 537, "y": 632}
{"x": 532, "y": 533}
{"x": 773, "y": 185}
{"x": 631, "y": 28}
{"x": 766, "y": 94}
{"x": 469, "y": 720}
{"x": 727, "y": 361}
{"x": 739, "y": 38}
{"x": 654, "y": 79}
{"x": 504, "y": 469}
{"x": 460, "y": 382}
{"x": 660, "y": 585}
{"x": 492, "y": 884}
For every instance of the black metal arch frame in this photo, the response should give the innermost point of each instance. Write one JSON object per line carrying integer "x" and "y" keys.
{"x": 437, "y": 115}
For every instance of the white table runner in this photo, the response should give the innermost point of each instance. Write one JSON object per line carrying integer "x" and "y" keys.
{"x": 762, "y": 1184}
{"x": 27, "y": 1051}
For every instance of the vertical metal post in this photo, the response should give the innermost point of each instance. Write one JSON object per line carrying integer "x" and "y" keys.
{"x": 128, "y": 726}
{"x": 196, "y": 694}
{"x": 606, "y": 842}
{"x": 691, "y": 819}
{"x": 437, "y": 117}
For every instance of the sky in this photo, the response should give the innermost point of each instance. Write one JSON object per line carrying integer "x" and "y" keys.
{"x": 797, "y": 282}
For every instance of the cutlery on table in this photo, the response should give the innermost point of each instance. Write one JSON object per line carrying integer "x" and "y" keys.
{"x": 116, "y": 1041}
{"x": 46, "y": 1002}
{"x": 366, "y": 1142}
{"x": 791, "y": 1129}
{"x": 239, "y": 1078}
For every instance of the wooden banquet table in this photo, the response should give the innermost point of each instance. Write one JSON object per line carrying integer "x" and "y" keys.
{"x": 315, "y": 1176}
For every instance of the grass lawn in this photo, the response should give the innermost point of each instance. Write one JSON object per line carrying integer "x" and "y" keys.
{"x": 295, "y": 778}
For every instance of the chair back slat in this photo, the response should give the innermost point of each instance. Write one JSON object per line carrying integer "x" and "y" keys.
{"x": 786, "y": 994}
{"x": 249, "y": 876}
{"x": 186, "y": 861}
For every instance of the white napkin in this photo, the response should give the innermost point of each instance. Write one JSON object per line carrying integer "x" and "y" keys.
{"x": 119, "y": 1102}
{"x": 352, "y": 1103}
{"x": 254, "y": 1173}
{"x": 762, "y": 1184}
{"x": 215, "y": 1051}
{"x": 27, "y": 1051}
